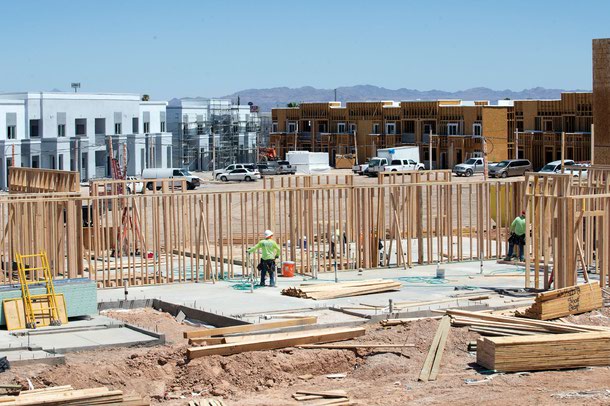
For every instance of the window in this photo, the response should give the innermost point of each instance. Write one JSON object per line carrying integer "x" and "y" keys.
{"x": 396, "y": 162}
{"x": 80, "y": 126}
{"x": 61, "y": 163}
{"x": 135, "y": 125}
{"x": 427, "y": 129}
{"x": 520, "y": 125}
{"x": 52, "y": 161}
{"x": 390, "y": 128}
{"x": 292, "y": 127}
{"x": 34, "y": 128}
{"x": 100, "y": 126}
{"x": 61, "y": 130}
{"x": 177, "y": 172}
{"x": 321, "y": 128}
{"x": 162, "y": 121}
{"x": 352, "y": 128}
{"x": 274, "y": 127}
{"x": 410, "y": 127}
{"x": 476, "y": 129}
{"x": 168, "y": 151}
{"x": 452, "y": 129}
{"x": 35, "y": 161}
{"x": 548, "y": 125}
{"x": 341, "y": 128}
{"x": 11, "y": 132}
{"x": 162, "y": 126}
{"x": 375, "y": 128}
{"x": 117, "y": 128}
{"x": 146, "y": 127}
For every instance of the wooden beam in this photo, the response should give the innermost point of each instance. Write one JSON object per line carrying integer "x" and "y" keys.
{"x": 250, "y": 327}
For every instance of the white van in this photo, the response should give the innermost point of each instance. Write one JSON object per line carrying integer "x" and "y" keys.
{"x": 168, "y": 173}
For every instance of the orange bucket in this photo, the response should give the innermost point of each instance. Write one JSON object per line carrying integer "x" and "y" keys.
{"x": 288, "y": 269}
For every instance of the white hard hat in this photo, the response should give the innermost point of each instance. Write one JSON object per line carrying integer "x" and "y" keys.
{"x": 268, "y": 233}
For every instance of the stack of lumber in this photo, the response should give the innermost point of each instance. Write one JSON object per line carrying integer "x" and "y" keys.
{"x": 432, "y": 364}
{"x": 218, "y": 335}
{"x": 563, "y": 302}
{"x": 275, "y": 341}
{"x": 321, "y": 291}
{"x": 544, "y": 352}
{"x": 330, "y": 397}
{"x": 66, "y": 395}
{"x": 497, "y": 325}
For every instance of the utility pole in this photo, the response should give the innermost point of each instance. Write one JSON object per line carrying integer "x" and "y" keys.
{"x": 563, "y": 150}
{"x": 485, "y": 167}
{"x": 213, "y": 150}
{"x": 592, "y": 144}
{"x": 430, "y": 148}
{"x": 356, "y": 146}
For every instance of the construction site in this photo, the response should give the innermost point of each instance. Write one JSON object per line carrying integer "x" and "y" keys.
{"x": 412, "y": 287}
{"x": 390, "y": 290}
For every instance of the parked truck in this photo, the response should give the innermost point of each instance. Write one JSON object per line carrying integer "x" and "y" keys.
{"x": 395, "y": 159}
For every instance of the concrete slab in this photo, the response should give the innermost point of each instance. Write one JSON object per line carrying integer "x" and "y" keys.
{"x": 419, "y": 284}
{"x": 25, "y": 357}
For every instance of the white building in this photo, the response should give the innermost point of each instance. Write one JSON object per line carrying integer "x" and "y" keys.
{"x": 215, "y": 128}
{"x": 70, "y": 131}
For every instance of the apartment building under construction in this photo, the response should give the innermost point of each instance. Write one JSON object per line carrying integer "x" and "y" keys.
{"x": 458, "y": 128}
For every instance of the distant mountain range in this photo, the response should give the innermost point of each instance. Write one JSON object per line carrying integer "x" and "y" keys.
{"x": 280, "y": 96}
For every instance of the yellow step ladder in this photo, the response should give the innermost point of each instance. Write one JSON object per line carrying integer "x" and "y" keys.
{"x": 47, "y": 302}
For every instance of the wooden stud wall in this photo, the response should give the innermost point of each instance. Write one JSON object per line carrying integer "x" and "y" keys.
{"x": 203, "y": 236}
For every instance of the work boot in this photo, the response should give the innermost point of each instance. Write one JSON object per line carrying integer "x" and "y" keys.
{"x": 508, "y": 259}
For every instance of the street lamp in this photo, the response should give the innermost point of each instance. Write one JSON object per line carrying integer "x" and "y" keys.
{"x": 75, "y": 86}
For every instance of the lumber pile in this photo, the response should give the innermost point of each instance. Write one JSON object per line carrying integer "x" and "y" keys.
{"x": 238, "y": 344}
{"x": 498, "y": 325}
{"x": 66, "y": 395}
{"x": 247, "y": 328}
{"x": 207, "y": 402}
{"x": 432, "y": 364}
{"x": 544, "y": 352}
{"x": 563, "y": 302}
{"x": 322, "y": 291}
{"x": 330, "y": 397}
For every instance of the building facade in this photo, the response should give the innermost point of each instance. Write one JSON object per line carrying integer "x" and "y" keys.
{"x": 458, "y": 128}
{"x": 212, "y": 133}
{"x": 601, "y": 99}
{"x": 71, "y": 131}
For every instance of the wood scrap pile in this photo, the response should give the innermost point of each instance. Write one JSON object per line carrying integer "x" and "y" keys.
{"x": 237, "y": 339}
{"x": 320, "y": 398}
{"x": 322, "y": 291}
{"x": 543, "y": 351}
{"x": 207, "y": 402}
{"x": 563, "y": 302}
{"x": 66, "y": 395}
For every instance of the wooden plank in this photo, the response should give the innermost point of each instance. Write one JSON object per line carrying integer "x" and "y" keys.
{"x": 429, "y": 370}
{"x": 250, "y": 327}
{"x": 307, "y": 337}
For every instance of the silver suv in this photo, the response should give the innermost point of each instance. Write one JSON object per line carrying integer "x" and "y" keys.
{"x": 510, "y": 167}
{"x": 469, "y": 167}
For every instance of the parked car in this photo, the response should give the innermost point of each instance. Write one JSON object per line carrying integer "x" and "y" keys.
{"x": 268, "y": 169}
{"x": 555, "y": 166}
{"x": 510, "y": 167}
{"x": 240, "y": 174}
{"x": 403, "y": 165}
{"x": 286, "y": 168}
{"x": 359, "y": 169}
{"x": 216, "y": 174}
{"x": 192, "y": 181}
{"x": 470, "y": 167}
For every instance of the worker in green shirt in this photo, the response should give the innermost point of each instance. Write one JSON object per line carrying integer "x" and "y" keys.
{"x": 270, "y": 251}
{"x": 517, "y": 236}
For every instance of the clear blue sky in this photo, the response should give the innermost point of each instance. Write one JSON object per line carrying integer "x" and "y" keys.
{"x": 213, "y": 48}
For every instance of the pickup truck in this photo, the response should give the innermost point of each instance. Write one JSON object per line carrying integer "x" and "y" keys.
{"x": 403, "y": 165}
{"x": 359, "y": 169}
{"x": 268, "y": 169}
{"x": 286, "y": 168}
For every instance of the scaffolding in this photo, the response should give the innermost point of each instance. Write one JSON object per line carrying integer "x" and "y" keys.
{"x": 223, "y": 137}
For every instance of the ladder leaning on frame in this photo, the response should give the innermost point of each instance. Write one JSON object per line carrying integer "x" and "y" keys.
{"x": 48, "y": 309}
